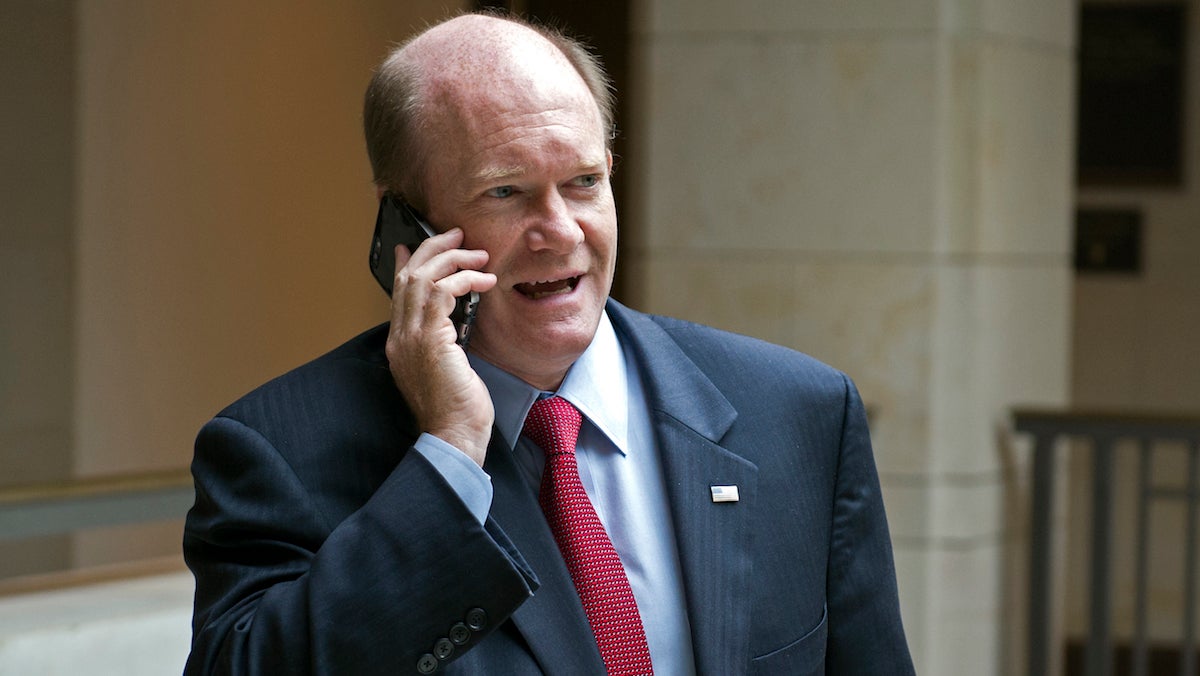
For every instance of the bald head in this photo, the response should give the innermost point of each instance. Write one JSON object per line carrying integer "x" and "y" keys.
{"x": 481, "y": 53}
{"x": 470, "y": 66}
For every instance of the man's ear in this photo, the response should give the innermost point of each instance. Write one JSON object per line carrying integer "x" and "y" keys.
{"x": 380, "y": 191}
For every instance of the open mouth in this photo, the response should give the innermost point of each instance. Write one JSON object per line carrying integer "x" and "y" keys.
{"x": 539, "y": 290}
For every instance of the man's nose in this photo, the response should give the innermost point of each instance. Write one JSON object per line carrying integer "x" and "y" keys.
{"x": 553, "y": 225}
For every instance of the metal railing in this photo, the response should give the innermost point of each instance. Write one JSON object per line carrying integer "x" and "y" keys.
{"x": 1104, "y": 430}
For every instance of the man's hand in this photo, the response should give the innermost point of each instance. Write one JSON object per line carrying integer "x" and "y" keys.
{"x": 430, "y": 369}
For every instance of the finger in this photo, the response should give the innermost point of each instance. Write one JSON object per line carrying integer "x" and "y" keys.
{"x": 427, "y": 283}
{"x": 414, "y": 303}
{"x": 428, "y": 248}
{"x": 445, "y": 294}
{"x": 446, "y": 263}
{"x": 421, "y": 306}
{"x": 465, "y": 281}
{"x": 443, "y": 266}
{"x": 402, "y": 254}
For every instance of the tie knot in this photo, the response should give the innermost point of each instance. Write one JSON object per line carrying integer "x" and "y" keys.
{"x": 553, "y": 424}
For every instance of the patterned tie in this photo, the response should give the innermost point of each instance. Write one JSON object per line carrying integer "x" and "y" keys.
{"x": 553, "y": 424}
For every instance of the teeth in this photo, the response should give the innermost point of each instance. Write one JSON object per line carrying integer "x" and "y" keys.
{"x": 547, "y": 287}
{"x": 542, "y": 294}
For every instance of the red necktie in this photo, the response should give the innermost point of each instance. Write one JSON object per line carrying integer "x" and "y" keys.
{"x": 553, "y": 424}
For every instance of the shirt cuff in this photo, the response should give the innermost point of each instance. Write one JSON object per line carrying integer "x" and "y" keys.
{"x": 468, "y": 480}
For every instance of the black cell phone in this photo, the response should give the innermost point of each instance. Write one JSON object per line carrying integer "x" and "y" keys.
{"x": 399, "y": 223}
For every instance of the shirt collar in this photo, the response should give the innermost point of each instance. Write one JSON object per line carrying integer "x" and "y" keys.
{"x": 595, "y": 384}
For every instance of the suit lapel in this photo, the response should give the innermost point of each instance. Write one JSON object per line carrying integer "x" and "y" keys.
{"x": 690, "y": 417}
{"x": 713, "y": 540}
{"x": 552, "y": 622}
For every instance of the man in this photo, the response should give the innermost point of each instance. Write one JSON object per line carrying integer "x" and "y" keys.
{"x": 381, "y": 510}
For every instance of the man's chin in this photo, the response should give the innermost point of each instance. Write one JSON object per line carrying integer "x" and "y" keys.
{"x": 540, "y": 358}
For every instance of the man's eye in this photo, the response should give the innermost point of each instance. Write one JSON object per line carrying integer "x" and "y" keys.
{"x": 501, "y": 191}
{"x": 587, "y": 180}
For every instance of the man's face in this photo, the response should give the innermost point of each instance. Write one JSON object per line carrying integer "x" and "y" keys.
{"x": 524, "y": 171}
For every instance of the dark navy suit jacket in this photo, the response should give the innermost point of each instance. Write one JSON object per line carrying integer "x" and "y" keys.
{"x": 321, "y": 544}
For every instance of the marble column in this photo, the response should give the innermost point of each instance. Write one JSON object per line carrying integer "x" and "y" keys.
{"x": 886, "y": 186}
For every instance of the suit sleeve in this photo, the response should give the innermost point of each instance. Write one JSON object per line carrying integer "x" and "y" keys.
{"x": 282, "y": 590}
{"x": 865, "y": 631}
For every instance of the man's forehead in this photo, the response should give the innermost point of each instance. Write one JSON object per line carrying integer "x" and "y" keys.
{"x": 485, "y": 106}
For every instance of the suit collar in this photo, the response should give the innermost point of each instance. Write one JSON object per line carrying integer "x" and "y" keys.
{"x": 675, "y": 385}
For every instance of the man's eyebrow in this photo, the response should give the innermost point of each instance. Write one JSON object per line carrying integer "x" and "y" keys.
{"x": 592, "y": 164}
{"x": 492, "y": 174}
{"x": 499, "y": 173}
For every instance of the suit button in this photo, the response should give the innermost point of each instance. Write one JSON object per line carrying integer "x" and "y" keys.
{"x": 427, "y": 664}
{"x": 443, "y": 648}
{"x": 476, "y": 619}
{"x": 460, "y": 634}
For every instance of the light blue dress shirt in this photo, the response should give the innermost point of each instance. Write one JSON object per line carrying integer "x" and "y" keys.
{"x": 620, "y": 470}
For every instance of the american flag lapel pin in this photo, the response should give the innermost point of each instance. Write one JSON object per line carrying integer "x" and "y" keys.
{"x": 724, "y": 493}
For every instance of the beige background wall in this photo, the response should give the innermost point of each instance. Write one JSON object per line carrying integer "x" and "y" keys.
{"x": 225, "y": 207}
